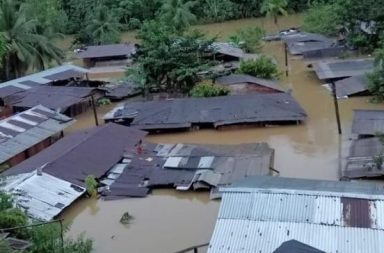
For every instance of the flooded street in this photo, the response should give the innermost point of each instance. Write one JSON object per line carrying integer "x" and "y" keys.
{"x": 167, "y": 221}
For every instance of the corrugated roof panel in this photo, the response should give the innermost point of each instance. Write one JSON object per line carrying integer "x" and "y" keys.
{"x": 172, "y": 162}
{"x": 206, "y": 162}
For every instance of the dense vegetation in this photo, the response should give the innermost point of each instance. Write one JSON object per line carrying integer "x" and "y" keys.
{"x": 262, "y": 67}
{"x": 208, "y": 90}
{"x": 45, "y": 239}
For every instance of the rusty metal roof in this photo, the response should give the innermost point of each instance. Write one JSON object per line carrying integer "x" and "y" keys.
{"x": 263, "y": 212}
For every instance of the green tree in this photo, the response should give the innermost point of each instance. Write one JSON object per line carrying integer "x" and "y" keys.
{"x": 323, "y": 19}
{"x": 26, "y": 47}
{"x": 91, "y": 185}
{"x": 170, "y": 61}
{"x": 249, "y": 39}
{"x": 376, "y": 78}
{"x": 208, "y": 90}
{"x": 262, "y": 67}
{"x": 178, "y": 13}
{"x": 274, "y": 8}
{"x": 103, "y": 27}
{"x": 217, "y": 10}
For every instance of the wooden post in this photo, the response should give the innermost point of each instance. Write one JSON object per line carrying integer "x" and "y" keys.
{"x": 94, "y": 110}
{"x": 286, "y": 59}
{"x": 195, "y": 250}
{"x": 336, "y": 107}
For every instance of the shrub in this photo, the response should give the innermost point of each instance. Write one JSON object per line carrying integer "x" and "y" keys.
{"x": 249, "y": 39}
{"x": 322, "y": 18}
{"x": 90, "y": 185}
{"x": 262, "y": 67}
{"x": 208, "y": 90}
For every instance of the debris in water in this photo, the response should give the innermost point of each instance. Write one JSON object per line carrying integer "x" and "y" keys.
{"x": 126, "y": 218}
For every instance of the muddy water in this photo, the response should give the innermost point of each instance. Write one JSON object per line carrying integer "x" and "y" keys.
{"x": 168, "y": 220}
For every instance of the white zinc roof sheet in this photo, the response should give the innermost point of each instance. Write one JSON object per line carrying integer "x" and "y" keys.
{"x": 18, "y": 134}
{"x": 261, "y": 219}
{"x": 43, "y": 196}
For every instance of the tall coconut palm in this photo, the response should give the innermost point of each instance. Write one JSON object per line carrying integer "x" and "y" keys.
{"x": 178, "y": 13}
{"x": 26, "y": 47}
{"x": 103, "y": 27}
{"x": 274, "y": 8}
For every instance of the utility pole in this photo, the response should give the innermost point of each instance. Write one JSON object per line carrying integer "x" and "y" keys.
{"x": 336, "y": 107}
{"x": 286, "y": 58}
{"x": 94, "y": 110}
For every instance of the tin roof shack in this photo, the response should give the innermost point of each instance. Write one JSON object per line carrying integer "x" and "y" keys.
{"x": 333, "y": 70}
{"x": 121, "y": 90}
{"x": 364, "y": 159}
{"x": 40, "y": 195}
{"x": 53, "y": 76}
{"x": 27, "y": 133}
{"x": 352, "y": 86}
{"x": 302, "y": 42}
{"x": 107, "y": 55}
{"x": 92, "y": 151}
{"x": 186, "y": 167}
{"x": 260, "y": 213}
{"x": 187, "y": 113}
{"x": 71, "y": 101}
{"x": 245, "y": 84}
{"x": 367, "y": 123}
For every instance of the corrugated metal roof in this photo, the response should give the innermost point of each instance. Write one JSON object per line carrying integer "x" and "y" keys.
{"x": 62, "y": 72}
{"x": 351, "y": 86}
{"x": 111, "y": 50}
{"x": 368, "y": 122}
{"x": 228, "y": 49}
{"x": 15, "y": 138}
{"x": 343, "y": 218}
{"x": 342, "y": 68}
{"x": 42, "y": 197}
{"x": 241, "y": 78}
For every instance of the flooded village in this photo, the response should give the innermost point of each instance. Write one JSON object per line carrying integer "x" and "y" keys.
{"x": 266, "y": 168}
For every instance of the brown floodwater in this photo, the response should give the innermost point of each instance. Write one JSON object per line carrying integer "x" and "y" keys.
{"x": 167, "y": 220}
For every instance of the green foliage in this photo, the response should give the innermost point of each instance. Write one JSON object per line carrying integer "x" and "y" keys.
{"x": 249, "y": 39}
{"x": 274, "y": 8}
{"x": 323, "y": 19}
{"x": 4, "y": 247}
{"x": 208, "y": 90}
{"x": 28, "y": 46}
{"x": 217, "y": 10}
{"x": 14, "y": 217}
{"x": 178, "y": 13}
{"x": 376, "y": 78}
{"x": 171, "y": 61}
{"x": 104, "y": 101}
{"x": 91, "y": 185}
{"x": 262, "y": 67}
{"x": 5, "y": 201}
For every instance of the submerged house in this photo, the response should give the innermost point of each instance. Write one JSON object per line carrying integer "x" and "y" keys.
{"x": 334, "y": 70}
{"x": 25, "y": 134}
{"x": 245, "y": 84}
{"x": 301, "y": 43}
{"x": 71, "y": 101}
{"x": 188, "y": 113}
{"x": 40, "y": 195}
{"x": 259, "y": 214}
{"x": 352, "y": 86}
{"x": 107, "y": 55}
{"x": 367, "y": 123}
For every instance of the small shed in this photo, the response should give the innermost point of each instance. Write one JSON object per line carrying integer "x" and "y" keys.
{"x": 107, "y": 55}
{"x": 368, "y": 122}
{"x": 302, "y": 42}
{"x": 26, "y": 134}
{"x": 352, "y": 86}
{"x": 245, "y": 84}
{"x": 71, "y": 101}
{"x": 333, "y": 70}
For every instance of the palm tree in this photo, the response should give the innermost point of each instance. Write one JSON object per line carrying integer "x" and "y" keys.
{"x": 104, "y": 26}
{"x": 26, "y": 47}
{"x": 178, "y": 12}
{"x": 274, "y": 8}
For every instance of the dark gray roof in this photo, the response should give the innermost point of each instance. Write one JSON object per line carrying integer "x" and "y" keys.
{"x": 53, "y": 97}
{"x": 351, "y": 86}
{"x": 242, "y": 78}
{"x": 58, "y": 73}
{"x": 89, "y": 152}
{"x": 121, "y": 91}
{"x": 360, "y": 162}
{"x": 218, "y": 111}
{"x": 342, "y": 68}
{"x": 300, "y": 186}
{"x": 330, "y": 52}
{"x": 299, "y": 43}
{"x": 24, "y": 130}
{"x": 9, "y": 90}
{"x": 294, "y": 246}
{"x": 368, "y": 122}
{"x": 111, "y": 50}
